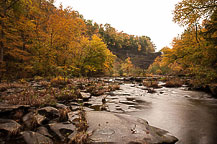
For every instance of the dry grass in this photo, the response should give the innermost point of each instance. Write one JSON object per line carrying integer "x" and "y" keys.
{"x": 51, "y": 92}
{"x": 114, "y": 87}
{"x": 99, "y": 88}
{"x": 174, "y": 83}
{"x": 45, "y": 83}
{"x": 5, "y": 86}
{"x": 30, "y": 97}
{"x": 153, "y": 84}
{"x": 66, "y": 94}
{"x": 63, "y": 115}
{"x": 58, "y": 81}
{"x": 81, "y": 136}
{"x": 38, "y": 78}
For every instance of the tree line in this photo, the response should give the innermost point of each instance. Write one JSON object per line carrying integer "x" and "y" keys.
{"x": 39, "y": 39}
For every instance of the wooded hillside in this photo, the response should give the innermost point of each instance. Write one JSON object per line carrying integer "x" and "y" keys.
{"x": 39, "y": 39}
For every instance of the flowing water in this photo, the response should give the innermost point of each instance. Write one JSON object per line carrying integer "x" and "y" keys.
{"x": 191, "y": 116}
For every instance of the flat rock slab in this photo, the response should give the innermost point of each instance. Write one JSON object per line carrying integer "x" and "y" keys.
{"x": 10, "y": 126}
{"x": 105, "y": 127}
{"x": 8, "y": 107}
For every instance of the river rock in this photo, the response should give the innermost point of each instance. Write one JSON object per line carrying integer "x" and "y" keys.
{"x": 32, "y": 119}
{"x": 31, "y": 137}
{"x": 10, "y": 126}
{"x": 43, "y": 130}
{"x": 85, "y": 96}
{"x": 62, "y": 130}
{"x": 213, "y": 89}
{"x": 74, "y": 108}
{"x": 8, "y": 107}
{"x": 49, "y": 112}
{"x": 61, "y": 106}
{"x": 73, "y": 116}
{"x": 107, "y": 127}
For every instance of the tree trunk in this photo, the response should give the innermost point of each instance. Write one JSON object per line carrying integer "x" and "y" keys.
{"x": 196, "y": 33}
{"x": 2, "y": 52}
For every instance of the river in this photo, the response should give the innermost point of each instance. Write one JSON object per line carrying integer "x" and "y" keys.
{"x": 191, "y": 116}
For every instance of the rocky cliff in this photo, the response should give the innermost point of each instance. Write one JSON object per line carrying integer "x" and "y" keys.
{"x": 139, "y": 59}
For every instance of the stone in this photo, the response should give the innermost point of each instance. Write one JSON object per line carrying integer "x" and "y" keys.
{"x": 10, "y": 126}
{"x": 73, "y": 116}
{"x": 8, "y": 107}
{"x": 62, "y": 130}
{"x": 151, "y": 91}
{"x": 128, "y": 102}
{"x": 107, "y": 127}
{"x": 43, "y": 130}
{"x": 213, "y": 89}
{"x": 85, "y": 96}
{"x": 49, "y": 112}
{"x": 31, "y": 137}
{"x": 61, "y": 106}
{"x": 75, "y": 108}
{"x": 32, "y": 119}
{"x": 74, "y": 104}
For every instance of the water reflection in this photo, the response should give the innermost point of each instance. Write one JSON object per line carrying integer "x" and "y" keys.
{"x": 190, "y": 116}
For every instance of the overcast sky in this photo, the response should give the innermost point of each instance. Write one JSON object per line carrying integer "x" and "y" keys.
{"x": 151, "y": 18}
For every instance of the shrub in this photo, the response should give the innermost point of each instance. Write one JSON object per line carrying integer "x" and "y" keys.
{"x": 57, "y": 81}
{"x": 153, "y": 84}
{"x": 174, "y": 83}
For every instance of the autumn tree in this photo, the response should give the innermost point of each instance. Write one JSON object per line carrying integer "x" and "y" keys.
{"x": 127, "y": 67}
{"x": 188, "y": 57}
{"x": 188, "y": 12}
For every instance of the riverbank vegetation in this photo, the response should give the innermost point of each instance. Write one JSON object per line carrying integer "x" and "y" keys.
{"x": 194, "y": 52}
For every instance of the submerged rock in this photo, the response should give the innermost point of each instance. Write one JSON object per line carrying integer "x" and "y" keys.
{"x": 107, "y": 127}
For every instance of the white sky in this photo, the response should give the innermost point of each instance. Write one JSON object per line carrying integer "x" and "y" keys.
{"x": 151, "y": 18}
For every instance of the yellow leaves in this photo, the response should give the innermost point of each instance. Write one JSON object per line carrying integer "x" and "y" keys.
{"x": 139, "y": 47}
{"x": 188, "y": 12}
{"x": 127, "y": 66}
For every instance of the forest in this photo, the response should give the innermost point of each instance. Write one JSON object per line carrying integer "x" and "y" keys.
{"x": 38, "y": 39}
{"x": 66, "y": 79}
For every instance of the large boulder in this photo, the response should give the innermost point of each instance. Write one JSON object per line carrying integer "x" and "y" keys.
{"x": 49, "y": 112}
{"x": 107, "y": 127}
{"x": 32, "y": 119}
{"x": 44, "y": 131}
{"x": 62, "y": 130}
{"x": 11, "y": 127}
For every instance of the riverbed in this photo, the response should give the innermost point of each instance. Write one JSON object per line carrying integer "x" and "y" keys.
{"x": 191, "y": 116}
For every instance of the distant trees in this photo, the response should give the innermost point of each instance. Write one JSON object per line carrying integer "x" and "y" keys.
{"x": 119, "y": 40}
